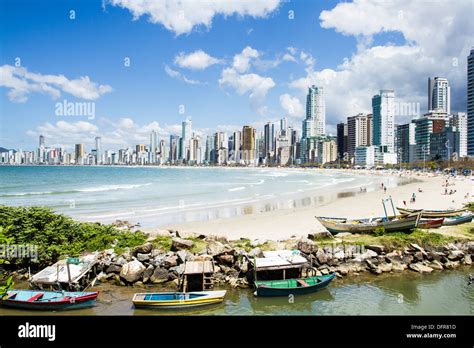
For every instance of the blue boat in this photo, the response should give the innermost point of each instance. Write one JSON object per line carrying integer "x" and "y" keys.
{"x": 286, "y": 287}
{"x": 48, "y": 300}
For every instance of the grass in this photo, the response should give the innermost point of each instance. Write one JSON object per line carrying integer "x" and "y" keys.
{"x": 162, "y": 242}
{"x": 242, "y": 243}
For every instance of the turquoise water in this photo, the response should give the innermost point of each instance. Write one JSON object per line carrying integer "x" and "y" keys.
{"x": 156, "y": 196}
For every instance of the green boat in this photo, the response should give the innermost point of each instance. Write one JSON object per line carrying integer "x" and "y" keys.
{"x": 297, "y": 286}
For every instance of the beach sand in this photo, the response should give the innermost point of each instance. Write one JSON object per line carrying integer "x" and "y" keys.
{"x": 287, "y": 223}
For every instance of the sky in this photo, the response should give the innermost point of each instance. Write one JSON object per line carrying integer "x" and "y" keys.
{"x": 147, "y": 65}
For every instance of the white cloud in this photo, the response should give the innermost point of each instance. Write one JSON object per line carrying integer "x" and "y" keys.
{"x": 182, "y": 16}
{"x": 242, "y": 60}
{"x": 292, "y": 105}
{"x": 437, "y": 42}
{"x": 197, "y": 60}
{"x": 21, "y": 83}
{"x": 177, "y": 75}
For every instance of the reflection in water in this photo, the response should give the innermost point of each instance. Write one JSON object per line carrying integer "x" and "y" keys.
{"x": 409, "y": 293}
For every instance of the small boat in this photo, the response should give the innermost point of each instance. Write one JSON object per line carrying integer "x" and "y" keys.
{"x": 48, "y": 300}
{"x": 457, "y": 220}
{"x": 396, "y": 224}
{"x": 430, "y": 223}
{"x": 286, "y": 287}
{"x": 433, "y": 214}
{"x": 177, "y": 299}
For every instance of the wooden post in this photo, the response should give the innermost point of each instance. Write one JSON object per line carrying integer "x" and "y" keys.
{"x": 255, "y": 268}
{"x": 284, "y": 274}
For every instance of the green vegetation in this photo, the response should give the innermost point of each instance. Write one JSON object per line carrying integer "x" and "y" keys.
{"x": 243, "y": 243}
{"x": 162, "y": 243}
{"x": 57, "y": 235}
{"x": 6, "y": 287}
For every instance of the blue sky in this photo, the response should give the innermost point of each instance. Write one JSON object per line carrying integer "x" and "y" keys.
{"x": 351, "y": 58}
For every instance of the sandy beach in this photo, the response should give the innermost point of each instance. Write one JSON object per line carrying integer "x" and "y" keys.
{"x": 287, "y": 223}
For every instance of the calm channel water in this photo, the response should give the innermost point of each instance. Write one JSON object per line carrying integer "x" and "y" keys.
{"x": 439, "y": 293}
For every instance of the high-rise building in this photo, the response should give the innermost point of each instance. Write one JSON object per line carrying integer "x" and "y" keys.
{"x": 356, "y": 133}
{"x": 268, "y": 140}
{"x": 283, "y": 125}
{"x": 98, "y": 150}
{"x": 439, "y": 96}
{"x": 174, "y": 149}
{"x": 427, "y": 125}
{"x": 370, "y": 128}
{"x": 444, "y": 144}
{"x": 406, "y": 144}
{"x": 248, "y": 144}
{"x": 315, "y": 122}
{"x": 210, "y": 156}
{"x": 383, "y": 118}
{"x": 237, "y": 146}
{"x": 459, "y": 120}
{"x": 470, "y": 104}
{"x": 79, "y": 153}
{"x": 342, "y": 133}
{"x": 186, "y": 134}
{"x": 153, "y": 147}
{"x": 41, "y": 141}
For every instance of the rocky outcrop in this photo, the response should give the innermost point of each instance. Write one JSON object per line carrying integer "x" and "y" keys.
{"x": 180, "y": 244}
{"x": 132, "y": 271}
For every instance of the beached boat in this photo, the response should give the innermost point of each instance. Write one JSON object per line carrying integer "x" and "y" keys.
{"x": 434, "y": 213}
{"x": 177, "y": 299}
{"x": 457, "y": 220}
{"x": 430, "y": 223}
{"x": 286, "y": 287}
{"x": 48, "y": 300}
{"x": 339, "y": 225}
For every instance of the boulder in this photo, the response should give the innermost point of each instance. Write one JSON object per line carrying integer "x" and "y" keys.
{"x": 451, "y": 264}
{"x": 256, "y": 252}
{"x": 385, "y": 267}
{"x": 435, "y": 264}
{"x": 394, "y": 256}
{"x": 132, "y": 271}
{"x": 143, "y": 249}
{"x": 170, "y": 261}
{"x": 215, "y": 248}
{"x": 226, "y": 259}
{"x": 320, "y": 235}
{"x": 113, "y": 268}
{"x": 148, "y": 273}
{"x": 160, "y": 275}
{"x": 179, "y": 244}
{"x": 398, "y": 266}
{"x": 188, "y": 235}
{"x": 120, "y": 261}
{"x": 469, "y": 246}
{"x": 372, "y": 267}
{"x": 379, "y": 249}
{"x": 455, "y": 255}
{"x": 257, "y": 242}
{"x": 467, "y": 260}
{"x": 143, "y": 257}
{"x": 418, "y": 256}
{"x": 184, "y": 255}
{"x": 306, "y": 246}
{"x": 416, "y": 247}
{"x": 436, "y": 255}
{"x": 420, "y": 268}
{"x": 321, "y": 256}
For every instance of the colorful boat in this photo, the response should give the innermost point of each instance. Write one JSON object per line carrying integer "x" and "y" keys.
{"x": 430, "y": 223}
{"x": 48, "y": 300}
{"x": 457, "y": 220}
{"x": 286, "y": 287}
{"x": 401, "y": 224}
{"x": 177, "y": 299}
{"x": 433, "y": 214}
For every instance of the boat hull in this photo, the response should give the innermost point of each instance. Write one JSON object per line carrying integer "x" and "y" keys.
{"x": 431, "y": 223}
{"x": 174, "y": 300}
{"x": 273, "y": 288}
{"x": 433, "y": 214}
{"x": 458, "y": 220}
{"x": 50, "y": 300}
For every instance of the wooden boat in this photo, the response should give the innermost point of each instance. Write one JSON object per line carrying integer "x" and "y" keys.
{"x": 287, "y": 287}
{"x": 177, "y": 299}
{"x": 433, "y": 214}
{"x": 48, "y": 300}
{"x": 457, "y": 220}
{"x": 430, "y": 223}
{"x": 401, "y": 224}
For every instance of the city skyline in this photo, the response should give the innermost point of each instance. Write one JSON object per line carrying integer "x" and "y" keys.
{"x": 220, "y": 85}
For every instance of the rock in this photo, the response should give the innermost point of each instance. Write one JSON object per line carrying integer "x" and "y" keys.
{"x": 102, "y": 277}
{"x": 416, "y": 247}
{"x": 419, "y": 267}
{"x": 170, "y": 261}
{"x": 188, "y": 235}
{"x": 343, "y": 269}
{"x": 120, "y": 261}
{"x": 320, "y": 235}
{"x": 306, "y": 246}
{"x": 143, "y": 257}
{"x": 372, "y": 267}
{"x": 339, "y": 255}
{"x": 393, "y": 256}
{"x": 435, "y": 264}
{"x": 451, "y": 264}
{"x": 177, "y": 269}
{"x": 113, "y": 269}
{"x": 467, "y": 260}
{"x": 256, "y": 252}
{"x": 385, "y": 267}
{"x": 160, "y": 275}
{"x": 244, "y": 266}
{"x": 138, "y": 284}
{"x": 455, "y": 255}
{"x": 398, "y": 266}
{"x": 257, "y": 242}
{"x": 143, "y": 249}
{"x": 324, "y": 271}
{"x": 321, "y": 256}
{"x": 184, "y": 255}
{"x": 148, "y": 273}
{"x": 215, "y": 248}
{"x": 379, "y": 249}
{"x": 418, "y": 256}
{"x": 437, "y": 255}
{"x": 226, "y": 259}
{"x": 179, "y": 244}
{"x": 132, "y": 271}
{"x": 367, "y": 255}
{"x": 204, "y": 257}
{"x": 469, "y": 246}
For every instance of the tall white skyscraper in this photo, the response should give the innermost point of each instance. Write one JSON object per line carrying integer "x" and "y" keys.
{"x": 153, "y": 146}
{"x": 439, "y": 95}
{"x": 186, "y": 135}
{"x": 283, "y": 124}
{"x": 459, "y": 120}
{"x": 315, "y": 122}
{"x": 470, "y": 103}
{"x": 98, "y": 150}
{"x": 383, "y": 118}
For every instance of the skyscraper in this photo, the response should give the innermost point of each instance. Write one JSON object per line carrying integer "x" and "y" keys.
{"x": 283, "y": 125}
{"x": 98, "y": 150}
{"x": 79, "y": 154}
{"x": 315, "y": 122}
{"x": 248, "y": 144}
{"x": 174, "y": 148}
{"x": 357, "y": 134}
{"x": 470, "y": 104}
{"x": 341, "y": 139}
{"x": 383, "y": 118}
{"x": 186, "y": 134}
{"x": 153, "y": 146}
{"x": 41, "y": 141}
{"x": 439, "y": 95}
{"x": 268, "y": 140}
{"x": 406, "y": 144}
{"x": 459, "y": 121}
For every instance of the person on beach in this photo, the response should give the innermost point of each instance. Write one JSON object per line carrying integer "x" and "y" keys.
{"x": 413, "y": 197}
{"x": 405, "y": 203}
{"x": 385, "y": 189}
